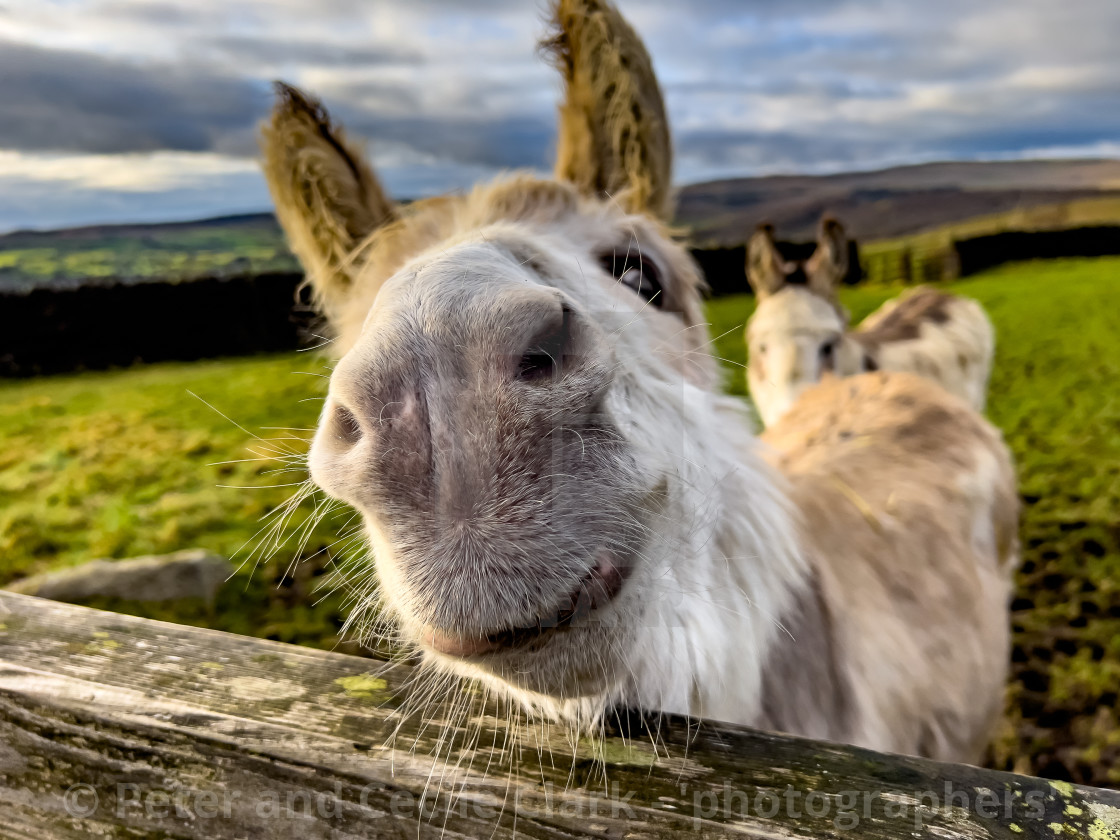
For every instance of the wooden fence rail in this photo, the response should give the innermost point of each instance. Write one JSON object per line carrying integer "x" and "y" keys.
{"x": 113, "y": 726}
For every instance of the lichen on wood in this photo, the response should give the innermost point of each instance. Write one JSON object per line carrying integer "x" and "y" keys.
{"x": 178, "y": 732}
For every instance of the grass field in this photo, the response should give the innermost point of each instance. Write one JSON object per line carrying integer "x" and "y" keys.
{"x": 120, "y": 464}
{"x": 125, "y": 463}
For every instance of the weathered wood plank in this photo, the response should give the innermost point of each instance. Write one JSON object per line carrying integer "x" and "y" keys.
{"x": 113, "y": 726}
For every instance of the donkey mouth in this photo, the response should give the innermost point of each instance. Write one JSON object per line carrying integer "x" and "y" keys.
{"x": 601, "y": 585}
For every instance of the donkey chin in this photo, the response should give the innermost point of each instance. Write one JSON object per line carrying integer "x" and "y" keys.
{"x": 503, "y": 569}
{"x": 573, "y": 645}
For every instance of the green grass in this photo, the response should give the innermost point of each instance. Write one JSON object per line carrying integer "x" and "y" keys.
{"x": 142, "y": 253}
{"x": 118, "y": 464}
{"x": 125, "y": 463}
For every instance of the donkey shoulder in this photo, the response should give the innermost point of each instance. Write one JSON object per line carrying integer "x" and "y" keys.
{"x": 910, "y": 516}
{"x": 889, "y": 465}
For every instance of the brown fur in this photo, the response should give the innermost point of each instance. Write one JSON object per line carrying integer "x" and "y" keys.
{"x": 768, "y": 273}
{"x": 904, "y": 322}
{"x": 804, "y": 674}
{"x": 766, "y": 270}
{"x": 327, "y": 198}
{"x": 613, "y": 134}
{"x": 422, "y": 224}
{"x": 829, "y": 262}
{"x": 799, "y": 332}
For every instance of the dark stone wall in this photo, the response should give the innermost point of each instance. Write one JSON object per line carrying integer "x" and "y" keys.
{"x": 94, "y": 327}
{"x": 118, "y": 324}
{"x": 725, "y": 268}
{"x": 984, "y": 252}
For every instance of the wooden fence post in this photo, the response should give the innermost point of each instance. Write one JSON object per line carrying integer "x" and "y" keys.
{"x": 115, "y": 726}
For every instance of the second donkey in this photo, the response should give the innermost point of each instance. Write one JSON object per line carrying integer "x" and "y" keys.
{"x": 799, "y": 332}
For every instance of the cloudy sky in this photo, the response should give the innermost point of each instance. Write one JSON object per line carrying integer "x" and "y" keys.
{"x": 147, "y": 109}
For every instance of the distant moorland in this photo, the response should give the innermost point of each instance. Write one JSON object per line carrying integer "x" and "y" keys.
{"x": 882, "y": 205}
{"x": 891, "y": 202}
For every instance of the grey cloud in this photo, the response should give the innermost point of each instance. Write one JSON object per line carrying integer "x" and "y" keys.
{"x": 29, "y": 204}
{"x": 69, "y": 101}
{"x": 259, "y": 50}
{"x": 833, "y": 80}
{"x": 156, "y": 12}
{"x": 752, "y": 151}
{"x": 505, "y": 141}
{"x": 394, "y": 95}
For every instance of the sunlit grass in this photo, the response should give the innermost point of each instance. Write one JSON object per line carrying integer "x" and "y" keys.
{"x": 160, "y": 253}
{"x": 133, "y": 462}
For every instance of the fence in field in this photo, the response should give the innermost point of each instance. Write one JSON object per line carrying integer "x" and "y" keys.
{"x": 114, "y": 726}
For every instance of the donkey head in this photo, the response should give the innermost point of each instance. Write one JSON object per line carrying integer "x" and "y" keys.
{"x": 796, "y": 333}
{"x": 513, "y": 368}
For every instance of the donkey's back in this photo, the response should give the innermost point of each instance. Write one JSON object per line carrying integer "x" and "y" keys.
{"x": 909, "y": 505}
{"x": 944, "y": 337}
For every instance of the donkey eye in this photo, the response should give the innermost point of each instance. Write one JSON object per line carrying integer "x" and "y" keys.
{"x": 638, "y": 272}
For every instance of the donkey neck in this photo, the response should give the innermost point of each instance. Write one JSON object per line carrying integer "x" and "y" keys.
{"x": 730, "y": 569}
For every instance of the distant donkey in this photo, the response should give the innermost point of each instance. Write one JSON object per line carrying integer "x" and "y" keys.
{"x": 799, "y": 331}
{"x": 558, "y": 499}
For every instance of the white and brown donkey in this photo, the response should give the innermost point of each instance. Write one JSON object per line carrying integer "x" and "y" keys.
{"x": 799, "y": 332}
{"x": 560, "y": 501}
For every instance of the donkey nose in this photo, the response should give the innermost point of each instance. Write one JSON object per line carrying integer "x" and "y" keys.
{"x": 471, "y": 347}
{"x": 427, "y": 411}
{"x": 548, "y": 348}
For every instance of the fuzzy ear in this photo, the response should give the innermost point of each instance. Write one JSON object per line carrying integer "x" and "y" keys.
{"x": 766, "y": 270}
{"x": 829, "y": 263}
{"x": 327, "y": 197}
{"x": 613, "y": 134}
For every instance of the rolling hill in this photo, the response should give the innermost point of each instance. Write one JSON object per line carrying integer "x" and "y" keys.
{"x": 891, "y": 202}
{"x": 881, "y": 205}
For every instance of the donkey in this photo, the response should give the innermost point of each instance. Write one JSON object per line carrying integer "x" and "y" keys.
{"x": 558, "y": 499}
{"x": 799, "y": 331}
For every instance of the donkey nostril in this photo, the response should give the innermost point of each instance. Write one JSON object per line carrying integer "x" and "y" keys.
{"x": 346, "y": 426}
{"x": 545, "y": 356}
{"x": 538, "y": 364}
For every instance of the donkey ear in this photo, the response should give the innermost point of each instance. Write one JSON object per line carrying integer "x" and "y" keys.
{"x": 829, "y": 263}
{"x": 327, "y": 197}
{"x": 613, "y": 134}
{"x": 766, "y": 270}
